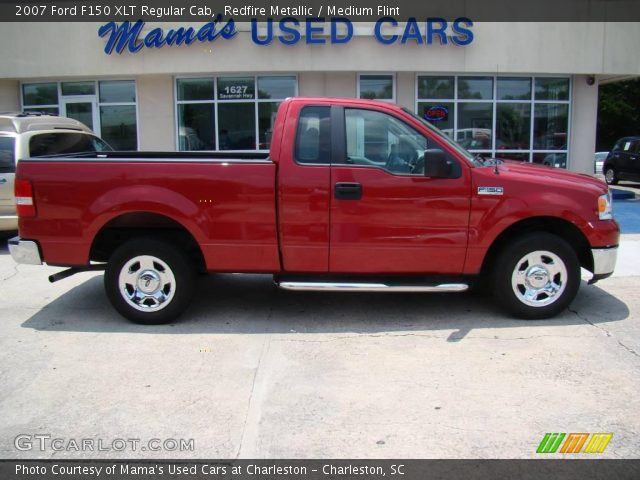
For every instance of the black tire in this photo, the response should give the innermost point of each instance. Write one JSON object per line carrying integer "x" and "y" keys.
{"x": 171, "y": 271}
{"x": 511, "y": 288}
{"x": 610, "y": 176}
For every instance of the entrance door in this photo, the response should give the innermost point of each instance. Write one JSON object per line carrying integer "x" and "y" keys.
{"x": 84, "y": 109}
{"x": 387, "y": 215}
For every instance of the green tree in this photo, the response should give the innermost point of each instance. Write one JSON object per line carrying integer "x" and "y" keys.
{"x": 618, "y": 112}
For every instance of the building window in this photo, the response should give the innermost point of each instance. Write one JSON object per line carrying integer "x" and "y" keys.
{"x": 108, "y": 107}
{"x": 118, "y": 124}
{"x": 40, "y": 97}
{"x": 522, "y": 118}
{"x": 376, "y": 87}
{"x": 229, "y": 113}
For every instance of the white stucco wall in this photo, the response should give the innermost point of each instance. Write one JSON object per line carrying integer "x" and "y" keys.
{"x": 584, "y": 113}
{"x": 59, "y": 50}
{"x": 156, "y": 125}
{"x": 9, "y": 96}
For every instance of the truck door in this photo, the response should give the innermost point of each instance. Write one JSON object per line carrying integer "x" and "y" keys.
{"x": 387, "y": 216}
{"x": 631, "y": 162}
{"x": 304, "y": 174}
{"x": 621, "y": 156}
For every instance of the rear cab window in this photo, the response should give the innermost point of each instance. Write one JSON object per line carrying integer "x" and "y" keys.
{"x": 313, "y": 137}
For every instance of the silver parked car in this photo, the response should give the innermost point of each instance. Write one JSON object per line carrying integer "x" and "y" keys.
{"x": 598, "y": 161}
{"x": 24, "y": 135}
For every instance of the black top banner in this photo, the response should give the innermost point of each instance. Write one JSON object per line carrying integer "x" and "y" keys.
{"x": 558, "y": 469}
{"x": 354, "y": 10}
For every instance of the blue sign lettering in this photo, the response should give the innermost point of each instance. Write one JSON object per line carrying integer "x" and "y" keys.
{"x": 128, "y": 36}
{"x": 377, "y": 31}
{"x": 426, "y": 33}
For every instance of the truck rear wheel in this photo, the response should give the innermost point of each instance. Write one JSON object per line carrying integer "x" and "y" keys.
{"x": 149, "y": 281}
{"x": 537, "y": 276}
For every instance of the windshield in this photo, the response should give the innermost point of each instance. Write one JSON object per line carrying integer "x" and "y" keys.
{"x": 438, "y": 133}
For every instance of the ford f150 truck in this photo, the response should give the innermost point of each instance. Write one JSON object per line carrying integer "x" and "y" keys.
{"x": 354, "y": 195}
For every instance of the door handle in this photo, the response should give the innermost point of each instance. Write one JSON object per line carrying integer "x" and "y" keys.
{"x": 348, "y": 191}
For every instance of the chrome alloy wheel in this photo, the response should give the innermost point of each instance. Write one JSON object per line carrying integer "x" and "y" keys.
{"x": 539, "y": 278}
{"x": 147, "y": 283}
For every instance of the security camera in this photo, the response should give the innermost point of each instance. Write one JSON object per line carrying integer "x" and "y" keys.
{"x": 591, "y": 80}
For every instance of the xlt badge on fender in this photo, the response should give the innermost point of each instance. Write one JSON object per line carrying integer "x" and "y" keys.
{"x": 490, "y": 190}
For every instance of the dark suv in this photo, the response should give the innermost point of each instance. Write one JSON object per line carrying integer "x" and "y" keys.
{"x": 623, "y": 162}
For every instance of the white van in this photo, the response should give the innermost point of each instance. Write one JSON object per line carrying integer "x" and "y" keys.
{"x": 24, "y": 135}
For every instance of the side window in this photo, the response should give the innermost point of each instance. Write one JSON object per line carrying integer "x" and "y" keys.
{"x": 617, "y": 147}
{"x": 61, "y": 144}
{"x": 380, "y": 140}
{"x": 313, "y": 138}
{"x": 7, "y": 155}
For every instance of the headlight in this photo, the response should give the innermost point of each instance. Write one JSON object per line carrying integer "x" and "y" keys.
{"x": 605, "y": 206}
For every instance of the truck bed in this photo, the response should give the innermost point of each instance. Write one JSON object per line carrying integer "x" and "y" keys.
{"x": 225, "y": 201}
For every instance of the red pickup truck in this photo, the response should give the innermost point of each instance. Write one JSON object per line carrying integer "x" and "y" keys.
{"x": 354, "y": 195}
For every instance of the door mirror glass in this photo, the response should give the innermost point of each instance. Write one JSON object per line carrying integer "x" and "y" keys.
{"x": 439, "y": 164}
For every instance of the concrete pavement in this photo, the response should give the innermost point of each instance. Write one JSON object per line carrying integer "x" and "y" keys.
{"x": 252, "y": 372}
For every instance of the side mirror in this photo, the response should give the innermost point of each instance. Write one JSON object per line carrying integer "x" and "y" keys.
{"x": 439, "y": 164}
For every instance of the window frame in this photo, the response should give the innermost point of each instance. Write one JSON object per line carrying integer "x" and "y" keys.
{"x": 393, "y": 86}
{"x": 214, "y": 102}
{"x": 95, "y": 96}
{"x": 531, "y": 101}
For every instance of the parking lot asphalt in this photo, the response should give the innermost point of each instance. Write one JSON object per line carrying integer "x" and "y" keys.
{"x": 254, "y": 372}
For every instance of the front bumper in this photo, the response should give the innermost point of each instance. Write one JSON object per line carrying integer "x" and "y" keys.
{"x": 604, "y": 262}
{"x": 24, "y": 251}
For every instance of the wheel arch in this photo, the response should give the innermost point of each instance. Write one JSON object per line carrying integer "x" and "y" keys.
{"x": 127, "y": 226}
{"x": 546, "y": 224}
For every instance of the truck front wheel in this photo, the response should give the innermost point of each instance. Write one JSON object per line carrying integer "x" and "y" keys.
{"x": 149, "y": 281}
{"x": 537, "y": 276}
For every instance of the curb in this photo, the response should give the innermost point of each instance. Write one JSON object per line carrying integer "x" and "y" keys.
{"x": 620, "y": 194}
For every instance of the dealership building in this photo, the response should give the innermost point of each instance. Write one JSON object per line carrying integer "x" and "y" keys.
{"x": 526, "y": 91}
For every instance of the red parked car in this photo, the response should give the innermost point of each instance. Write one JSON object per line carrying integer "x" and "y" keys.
{"x": 354, "y": 195}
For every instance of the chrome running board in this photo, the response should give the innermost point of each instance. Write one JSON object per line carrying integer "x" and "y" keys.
{"x": 369, "y": 287}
